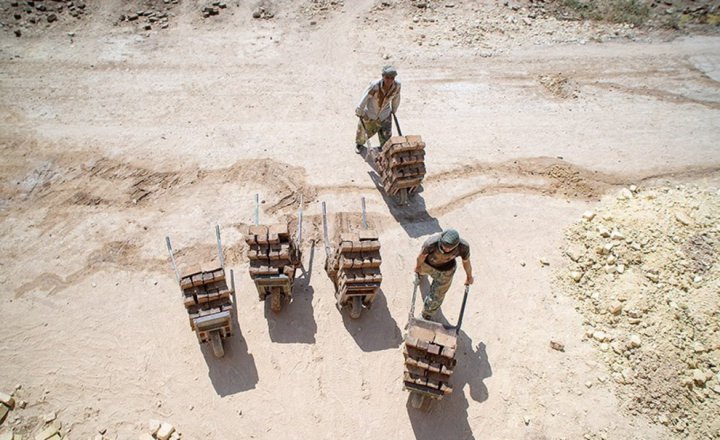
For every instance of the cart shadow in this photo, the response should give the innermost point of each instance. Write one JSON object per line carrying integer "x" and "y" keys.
{"x": 413, "y": 217}
{"x": 295, "y": 324}
{"x": 376, "y": 329}
{"x": 448, "y": 418}
{"x": 236, "y": 371}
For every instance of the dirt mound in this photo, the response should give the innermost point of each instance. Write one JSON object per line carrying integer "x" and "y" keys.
{"x": 644, "y": 269}
{"x": 560, "y": 86}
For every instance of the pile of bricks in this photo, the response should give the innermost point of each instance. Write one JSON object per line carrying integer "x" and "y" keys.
{"x": 401, "y": 164}
{"x": 429, "y": 358}
{"x": 272, "y": 252}
{"x": 206, "y": 293}
{"x": 355, "y": 265}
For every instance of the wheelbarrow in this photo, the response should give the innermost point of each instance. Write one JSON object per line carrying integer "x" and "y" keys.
{"x": 429, "y": 353}
{"x": 401, "y": 165}
{"x": 353, "y": 264}
{"x": 274, "y": 258}
{"x": 207, "y": 299}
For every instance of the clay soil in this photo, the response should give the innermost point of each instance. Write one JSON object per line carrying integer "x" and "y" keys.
{"x": 114, "y": 136}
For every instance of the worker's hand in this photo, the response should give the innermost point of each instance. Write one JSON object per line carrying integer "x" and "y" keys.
{"x": 359, "y": 112}
{"x": 469, "y": 280}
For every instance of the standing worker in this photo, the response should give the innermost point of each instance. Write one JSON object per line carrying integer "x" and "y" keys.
{"x": 380, "y": 100}
{"x": 437, "y": 259}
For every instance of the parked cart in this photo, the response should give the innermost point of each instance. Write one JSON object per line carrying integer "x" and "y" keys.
{"x": 207, "y": 299}
{"x": 353, "y": 264}
{"x": 275, "y": 256}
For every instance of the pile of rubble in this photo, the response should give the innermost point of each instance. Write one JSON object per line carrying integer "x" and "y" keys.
{"x": 214, "y": 9}
{"x": 48, "y": 427}
{"x": 644, "y": 269}
{"x": 31, "y": 13}
{"x": 153, "y": 14}
{"x": 264, "y": 10}
{"x": 320, "y": 9}
{"x": 491, "y": 26}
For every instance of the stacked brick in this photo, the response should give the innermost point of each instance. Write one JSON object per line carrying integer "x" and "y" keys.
{"x": 401, "y": 164}
{"x": 272, "y": 252}
{"x": 355, "y": 265}
{"x": 429, "y": 359}
{"x": 208, "y": 301}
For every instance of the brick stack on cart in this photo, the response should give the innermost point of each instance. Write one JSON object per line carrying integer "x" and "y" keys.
{"x": 401, "y": 165}
{"x": 208, "y": 300}
{"x": 353, "y": 264}
{"x": 429, "y": 352}
{"x": 274, "y": 256}
{"x": 429, "y": 358}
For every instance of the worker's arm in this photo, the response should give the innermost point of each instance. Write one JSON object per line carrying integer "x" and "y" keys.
{"x": 468, "y": 272}
{"x": 420, "y": 261}
{"x": 396, "y": 101}
{"x": 360, "y": 109}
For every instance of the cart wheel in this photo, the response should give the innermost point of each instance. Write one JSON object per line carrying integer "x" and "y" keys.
{"x": 356, "y": 307}
{"x": 416, "y": 400}
{"x": 403, "y": 196}
{"x": 276, "y": 301}
{"x": 217, "y": 345}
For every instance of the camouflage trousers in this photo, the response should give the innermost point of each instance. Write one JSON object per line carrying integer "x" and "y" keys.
{"x": 441, "y": 281}
{"x": 382, "y": 128}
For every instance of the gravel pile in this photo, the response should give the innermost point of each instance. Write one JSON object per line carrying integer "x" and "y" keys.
{"x": 644, "y": 270}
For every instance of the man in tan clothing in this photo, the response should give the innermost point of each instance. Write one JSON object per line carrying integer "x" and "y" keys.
{"x": 380, "y": 100}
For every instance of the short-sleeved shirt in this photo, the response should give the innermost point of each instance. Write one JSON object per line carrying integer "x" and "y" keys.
{"x": 444, "y": 261}
{"x": 377, "y": 103}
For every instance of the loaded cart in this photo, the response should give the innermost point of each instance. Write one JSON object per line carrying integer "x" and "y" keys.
{"x": 353, "y": 264}
{"x": 207, "y": 299}
{"x": 401, "y": 165}
{"x": 275, "y": 256}
{"x": 429, "y": 352}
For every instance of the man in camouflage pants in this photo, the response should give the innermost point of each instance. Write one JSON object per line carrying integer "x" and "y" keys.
{"x": 380, "y": 100}
{"x": 437, "y": 259}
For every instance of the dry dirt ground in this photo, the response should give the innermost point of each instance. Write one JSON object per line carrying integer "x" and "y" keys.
{"x": 114, "y": 136}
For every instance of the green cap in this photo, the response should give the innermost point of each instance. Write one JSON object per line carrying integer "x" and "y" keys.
{"x": 450, "y": 238}
{"x": 389, "y": 71}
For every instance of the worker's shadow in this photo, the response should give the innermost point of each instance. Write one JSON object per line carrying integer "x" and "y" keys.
{"x": 448, "y": 418}
{"x": 413, "y": 217}
{"x": 295, "y": 323}
{"x": 375, "y": 329}
{"x": 235, "y": 372}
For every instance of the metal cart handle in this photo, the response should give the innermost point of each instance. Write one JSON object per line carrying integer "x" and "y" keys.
{"x": 462, "y": 309}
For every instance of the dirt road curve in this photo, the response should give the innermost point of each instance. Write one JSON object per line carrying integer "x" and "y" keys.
{"x": 113, "y": 138}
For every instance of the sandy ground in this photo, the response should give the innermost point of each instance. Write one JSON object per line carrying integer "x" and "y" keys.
{"x": 112, "y": 140}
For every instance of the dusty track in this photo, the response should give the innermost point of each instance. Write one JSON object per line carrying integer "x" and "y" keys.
{"x": 115, "y": 140}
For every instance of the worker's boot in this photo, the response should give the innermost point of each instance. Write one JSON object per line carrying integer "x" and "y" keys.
{"x": 359, "y": 148}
